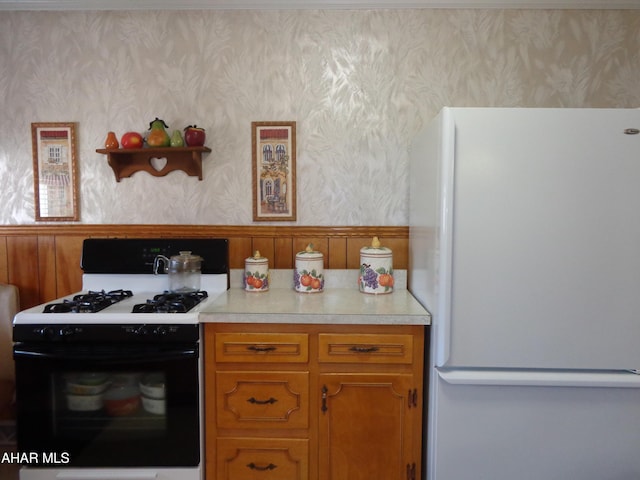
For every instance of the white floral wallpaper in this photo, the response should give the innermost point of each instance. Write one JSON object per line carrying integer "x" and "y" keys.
{"x": 359, "y": 84}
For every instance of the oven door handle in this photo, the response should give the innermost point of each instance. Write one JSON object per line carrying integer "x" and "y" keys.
{"x": 106, "y": 475}
{"x": 95, "y": 475}
{"x": 105, "y": 355}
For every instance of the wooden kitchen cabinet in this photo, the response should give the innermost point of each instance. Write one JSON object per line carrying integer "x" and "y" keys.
{"x": 370, "y": 411}
{"x": 260, "y": 458}
{"x": 256, "y": 399}
{"x": 367, "y": 426}
{"x": 313, "y": 402}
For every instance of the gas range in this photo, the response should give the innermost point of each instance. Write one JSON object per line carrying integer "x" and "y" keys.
{"x": 115, "y": 386}
{"x": 138, "y": 291}
{"x": 116, "y": 291}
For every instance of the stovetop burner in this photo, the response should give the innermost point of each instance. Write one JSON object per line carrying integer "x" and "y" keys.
{"x": 171, "y": 302}
{"x": 90, "y": 302}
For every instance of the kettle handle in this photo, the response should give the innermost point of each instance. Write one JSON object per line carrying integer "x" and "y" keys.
{"x": 156, "y": 263}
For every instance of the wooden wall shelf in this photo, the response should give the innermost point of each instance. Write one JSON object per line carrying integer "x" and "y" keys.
{"x": 127, "y": 161}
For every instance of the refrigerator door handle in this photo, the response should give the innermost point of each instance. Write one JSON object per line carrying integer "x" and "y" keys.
{"x": 542, "y": 378}
{"x": 442, "y": 328}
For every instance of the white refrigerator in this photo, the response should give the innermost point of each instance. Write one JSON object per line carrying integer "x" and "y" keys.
{"x": 525, "y": 248}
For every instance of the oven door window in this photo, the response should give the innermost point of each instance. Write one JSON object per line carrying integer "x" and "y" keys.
{"x": 131, "y": 408}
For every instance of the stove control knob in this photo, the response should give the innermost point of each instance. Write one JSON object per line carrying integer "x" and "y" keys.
{"x": 161, "y": 331}
{"x": 47, "y": 333}
{"x": 66, "y": 332}
{"x": 141, "y": 330}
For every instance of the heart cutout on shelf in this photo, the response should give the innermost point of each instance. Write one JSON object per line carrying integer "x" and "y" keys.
{"x": 158, "y": 163}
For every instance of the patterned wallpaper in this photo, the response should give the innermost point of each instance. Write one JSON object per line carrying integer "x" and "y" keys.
{"x": 360, "y": 84}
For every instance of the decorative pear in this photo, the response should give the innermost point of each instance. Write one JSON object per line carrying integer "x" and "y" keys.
{"x": 158, "y": 137}
{"x": 111, "y": 142}
{"x": 176, "y": 139}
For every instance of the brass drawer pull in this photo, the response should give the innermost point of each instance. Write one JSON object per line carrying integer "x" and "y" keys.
{"x": 253, "y": 466}
{"x": 261, "y": 348}
{"x": 362, "y": 349}
{"x": 262, "y": 402}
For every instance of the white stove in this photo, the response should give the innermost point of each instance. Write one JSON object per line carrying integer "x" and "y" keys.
{"x": 143, "y": 287}
{"x": 111, "y": 385}
{"x": 127, "y": 265}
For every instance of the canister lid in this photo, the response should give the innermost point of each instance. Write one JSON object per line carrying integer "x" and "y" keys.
{"x": 257, "y": 258}
{"x": 375, "y": 248}
{"x": 309, "y": 253}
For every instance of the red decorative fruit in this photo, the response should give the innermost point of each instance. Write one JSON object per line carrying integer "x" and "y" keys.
{"x": 194, "y": 136}
{"x": 132, "y": 140}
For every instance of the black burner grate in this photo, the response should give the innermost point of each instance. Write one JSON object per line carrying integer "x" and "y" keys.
{"x": 90, "y": 302}
{"x": 171, "y": 302}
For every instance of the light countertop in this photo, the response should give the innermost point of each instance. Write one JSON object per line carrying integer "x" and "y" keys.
{"x": 337, "y": 305}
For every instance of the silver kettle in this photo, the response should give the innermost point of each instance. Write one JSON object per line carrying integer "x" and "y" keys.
{"x": 183, "y": 271}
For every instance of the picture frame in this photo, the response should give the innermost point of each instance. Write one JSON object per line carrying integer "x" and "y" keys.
{"x": 274, "y": 171}
{"x": 55, "y": 177}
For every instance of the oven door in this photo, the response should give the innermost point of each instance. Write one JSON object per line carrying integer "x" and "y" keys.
{"x": 105, "y": 405}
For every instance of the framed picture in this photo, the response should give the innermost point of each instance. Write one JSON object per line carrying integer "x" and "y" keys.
{"x": 54, "y": 171}
{"x": 274, "y": 171}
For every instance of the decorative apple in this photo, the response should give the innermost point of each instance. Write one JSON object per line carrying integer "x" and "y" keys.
{"x": 132, "y": 140}
{"x": 194, "y": 136}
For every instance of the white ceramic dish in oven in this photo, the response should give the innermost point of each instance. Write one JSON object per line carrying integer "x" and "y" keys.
{"x": 85, "y": 403}
{"x": 90, "y": 378}
{"x": 75, "y": 388}
{"x": 153, "y": 386}
{"x": 154, "y": 405}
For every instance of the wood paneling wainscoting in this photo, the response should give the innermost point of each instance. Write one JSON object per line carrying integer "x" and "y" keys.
{"x": 44, "y": 260}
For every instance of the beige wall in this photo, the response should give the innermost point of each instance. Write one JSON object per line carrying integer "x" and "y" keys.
{"x": 359, "y": 84}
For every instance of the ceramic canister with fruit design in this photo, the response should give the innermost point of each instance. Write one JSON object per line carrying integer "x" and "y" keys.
{"x": 256, "y": 273}
{"x": 376, "y": 268}
{"x": 308, "y": 277}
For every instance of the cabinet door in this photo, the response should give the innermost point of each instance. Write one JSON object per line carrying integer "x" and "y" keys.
{"x": 367, "y": 427}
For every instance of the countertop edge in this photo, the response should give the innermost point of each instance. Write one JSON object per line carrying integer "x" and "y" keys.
{"x": 333, "y": 306}
{"x": 316, "y": 319}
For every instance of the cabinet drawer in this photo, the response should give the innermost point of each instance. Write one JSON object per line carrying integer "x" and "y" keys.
{"x": 262, "y": 399}
{"x": 365, "y": 348}
{"x": 262, "y": 347}
{"x": 264, "y": 459}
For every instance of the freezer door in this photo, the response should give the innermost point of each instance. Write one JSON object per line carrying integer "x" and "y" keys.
{"x": 544, "y": 252}
{"x": 535, "y": 433}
